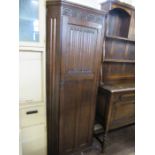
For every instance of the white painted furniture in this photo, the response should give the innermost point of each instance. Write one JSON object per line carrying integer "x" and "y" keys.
{"x": 32, "y": 78}
{"x": 34, "y": 140}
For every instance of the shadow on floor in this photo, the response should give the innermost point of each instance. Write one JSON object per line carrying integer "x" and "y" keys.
{"x": 120, "y": 142}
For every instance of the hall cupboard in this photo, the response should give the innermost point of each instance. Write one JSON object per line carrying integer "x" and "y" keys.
{"x": 74, "y": 47}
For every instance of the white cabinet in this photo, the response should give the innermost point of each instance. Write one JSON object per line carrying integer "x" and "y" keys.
{"x": 34, "y": 140}
{"x": 32, "y": 116}
{"x": 31, "y": 77}
{"x": 33, "y": 131}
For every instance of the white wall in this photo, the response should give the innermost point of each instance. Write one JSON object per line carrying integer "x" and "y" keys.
{"x": 96, "y": 3}
{"x": 90, "y": 3}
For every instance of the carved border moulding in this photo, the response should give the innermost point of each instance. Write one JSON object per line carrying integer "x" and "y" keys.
{"x": 82, "y": 15}
{"x": 82, "y": 29}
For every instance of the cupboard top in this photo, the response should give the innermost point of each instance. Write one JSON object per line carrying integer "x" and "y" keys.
{"x": 75, "y": 5}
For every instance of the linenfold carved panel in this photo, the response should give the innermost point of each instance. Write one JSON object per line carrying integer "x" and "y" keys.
{"x": 81, "y": 50}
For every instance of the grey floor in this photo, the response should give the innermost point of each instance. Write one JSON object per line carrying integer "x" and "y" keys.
{"x": 120, "y": 142}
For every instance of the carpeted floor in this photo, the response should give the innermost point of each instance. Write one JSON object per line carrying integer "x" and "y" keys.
{"x": 120, "y": 142}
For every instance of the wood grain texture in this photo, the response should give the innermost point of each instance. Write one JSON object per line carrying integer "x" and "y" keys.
{"x": 119, "y": 46}
{"x": 115, "y": 103}
{"x": 118, "y": 22}
{"x": 74, "y": 48}
{"x": 116, "y": 108}
{"x": 52, "y": 77}
{"x": 79, "y": 80}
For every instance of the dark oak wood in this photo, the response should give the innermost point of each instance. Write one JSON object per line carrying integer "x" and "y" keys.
{"x": 116, "y": 105}
{"x": 74, "y": 46}
{"x": 119, "y": 60}
{"x": 119, "y": 44}
{"x": 116, "y": 94}
{"x": 119, "y": 38}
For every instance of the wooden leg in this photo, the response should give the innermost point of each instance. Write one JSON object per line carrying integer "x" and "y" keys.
{"x": 105, "y": 140}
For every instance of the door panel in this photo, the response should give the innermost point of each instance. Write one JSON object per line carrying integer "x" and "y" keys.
{"x": 77, "y": 106}
{"x": 79, "y": 68}
{"x": 68, "y": 117}
{"x": 85, "y": 112}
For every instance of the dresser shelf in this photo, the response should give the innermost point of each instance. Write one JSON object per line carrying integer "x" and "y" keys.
{"x": 119, "y": 38}
{"x": 119, "y": 60}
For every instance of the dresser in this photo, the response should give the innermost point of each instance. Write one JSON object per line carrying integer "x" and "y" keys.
{"x": 116, "y": 92}
{"x": 74, "y": 48}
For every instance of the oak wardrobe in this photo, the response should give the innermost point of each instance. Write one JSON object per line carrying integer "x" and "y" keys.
{"x": 74, "y": 48}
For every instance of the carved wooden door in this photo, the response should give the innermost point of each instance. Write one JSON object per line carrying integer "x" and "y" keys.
{"x": 81, "y": 54}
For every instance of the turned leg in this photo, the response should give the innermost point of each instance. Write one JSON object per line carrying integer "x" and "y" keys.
{"x": 104, "y": 143}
